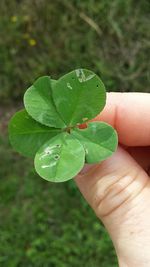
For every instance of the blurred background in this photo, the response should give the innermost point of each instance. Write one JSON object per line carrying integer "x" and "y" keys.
{"x": 43, "y": 224}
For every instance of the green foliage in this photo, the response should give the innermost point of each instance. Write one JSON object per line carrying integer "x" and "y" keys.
{"x": 109, "y": 37}
{"x": 64, "y": 104}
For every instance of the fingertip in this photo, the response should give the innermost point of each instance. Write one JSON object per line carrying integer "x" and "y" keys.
{"x": 129, "y": 114}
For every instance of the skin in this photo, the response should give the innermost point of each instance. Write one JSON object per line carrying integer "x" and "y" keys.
{"x": 118, "y": 189}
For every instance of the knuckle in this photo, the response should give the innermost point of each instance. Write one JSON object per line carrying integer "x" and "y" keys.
{"x": 107, "y": 200}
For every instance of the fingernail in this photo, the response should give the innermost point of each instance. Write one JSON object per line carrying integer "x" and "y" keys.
{"x": 86, "y": 168}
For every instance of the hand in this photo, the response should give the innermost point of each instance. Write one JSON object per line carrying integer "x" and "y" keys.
{"x": 118, "y": 189}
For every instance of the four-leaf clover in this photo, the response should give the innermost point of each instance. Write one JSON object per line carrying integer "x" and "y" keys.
{"x": 48, "y": 128}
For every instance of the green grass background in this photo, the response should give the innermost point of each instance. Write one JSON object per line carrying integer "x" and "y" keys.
{"x": 43, "y": 224}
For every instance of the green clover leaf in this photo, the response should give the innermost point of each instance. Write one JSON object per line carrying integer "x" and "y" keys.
{"x": 99, "y": 140}
{"x": 58, "y": 159}
{"x": 79, "y": 96}
{"x": 40, "y": 105}
{"x": 27, "y": 135}
{"x": 47, "y": 129}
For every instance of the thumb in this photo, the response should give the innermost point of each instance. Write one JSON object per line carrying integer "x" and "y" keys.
{"x": 109, "y": 187}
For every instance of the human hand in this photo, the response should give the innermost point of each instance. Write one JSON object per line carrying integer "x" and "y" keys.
{"x": 118, "y": 189}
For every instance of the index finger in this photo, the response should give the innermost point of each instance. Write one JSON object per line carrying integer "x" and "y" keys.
{"x": 129, "y": 114}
